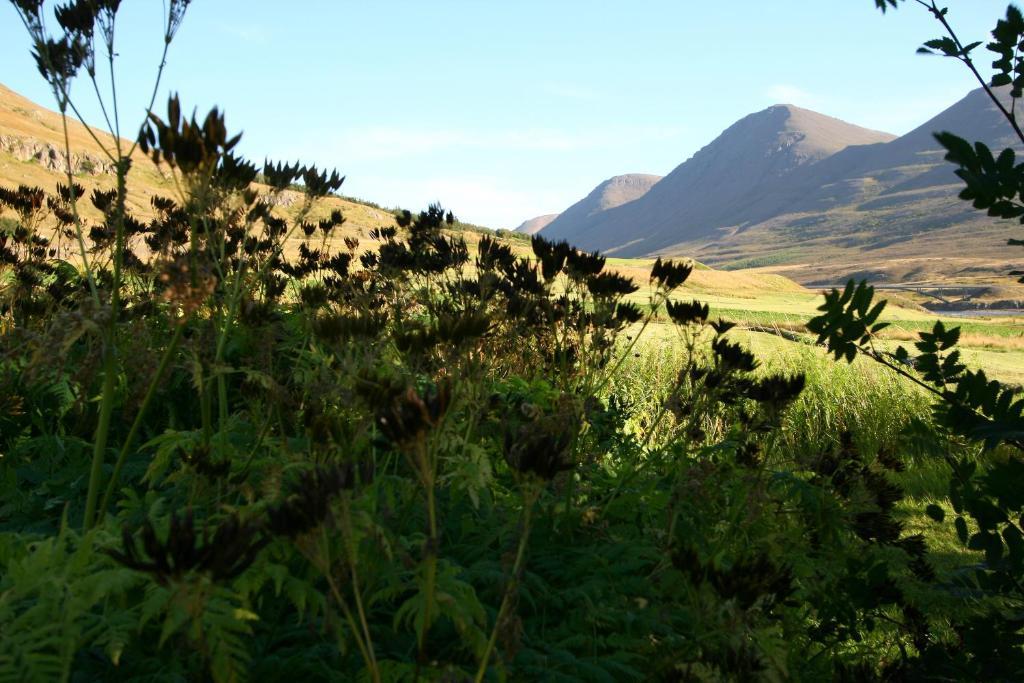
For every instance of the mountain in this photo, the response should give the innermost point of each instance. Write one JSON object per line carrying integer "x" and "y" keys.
{"x": 819, "y": 199}
{"x": 753, "y": 152}
{"x": 535, "y": 225}
{"x": 888, "y": 212}
{"x": 32, "y": 153}
{"x": 612, "y": 193}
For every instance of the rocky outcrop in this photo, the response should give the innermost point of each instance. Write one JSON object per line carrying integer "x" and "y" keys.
{"x": 52, "y": 158}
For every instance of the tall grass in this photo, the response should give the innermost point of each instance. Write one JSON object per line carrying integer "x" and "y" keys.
{"x": 873, "y": 405}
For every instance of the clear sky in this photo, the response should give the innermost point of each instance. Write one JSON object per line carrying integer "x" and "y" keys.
{"x": 507, "y": 110}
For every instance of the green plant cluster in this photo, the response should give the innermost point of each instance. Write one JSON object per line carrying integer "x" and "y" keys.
{"x": 234, "y": 446}
{"x": 395, "y": 463}
{"x": 985, "y": 495}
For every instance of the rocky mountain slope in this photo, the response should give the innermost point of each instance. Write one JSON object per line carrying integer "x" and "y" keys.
{"x": 819, "y": 199}
{"x": 534, "y": 225}
{"x": 698, "y": 194}
{"x": 612, "y": 193}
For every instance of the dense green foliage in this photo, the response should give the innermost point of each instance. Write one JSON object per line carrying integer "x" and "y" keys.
{"x": 233, "y": 446}
{"x": 986, "y": 497}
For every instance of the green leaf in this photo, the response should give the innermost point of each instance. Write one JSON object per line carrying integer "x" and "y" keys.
{"x": 993, "y": 548}
{"x": 961, "y": 529}
{"x": 944, "y": 45}
{"x": 959, "y": 151}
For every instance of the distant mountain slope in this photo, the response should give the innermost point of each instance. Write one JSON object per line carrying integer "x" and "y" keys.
{"x": 32, "y": 153}
{"x": 535, "y": 225}
{"x": 901, "y": 171}
{"x": 728, "y": 173}
{"x": 820, "y": 200}
{"x": 612, "y": 193}
{"x": 886, "y": 211}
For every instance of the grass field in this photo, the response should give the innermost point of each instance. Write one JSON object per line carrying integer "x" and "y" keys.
{"x": 993, "y": 344}
{"x": 872, "y": 403}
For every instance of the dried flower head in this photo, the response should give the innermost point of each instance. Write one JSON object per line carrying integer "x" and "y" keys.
{"x": 184, "y": 289}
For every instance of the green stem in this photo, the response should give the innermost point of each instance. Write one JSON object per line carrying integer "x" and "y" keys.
{"x": 79, "y": 230}
{"x": 204, "y": 405}
{"x": 119, "y": 245}
{"x": 340, "y": 599}
{"x": 430, "y": 561}
{"x": 99, "y": 98}
{"x": 110, "y": 344}
{"x": 152, "y": 97}
{"x": 222, "y": 402}
{"x": 426, "y": 471}
{"x": 350, "y": 553}
{"x": 99, "y": 445}
{"x": 529, "y": 500}
{"x": 130, "y": 439}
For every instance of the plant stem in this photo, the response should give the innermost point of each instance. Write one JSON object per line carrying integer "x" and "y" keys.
{"x": 222, "y": 402}
{"x": 350, "y": 554}
{"x": 99, "y": 445}
{"x": 940, "y": 15}
{"x": 427, "y": 475}
{"x": 347, "y": 611}
{"x": 430, "y": 562}
{"x": 152, "y": 97}
{"x": 204, "y": 404}
{"x": 110, "y": 339}
{"x": 529, "y": 500}
{"x": 79, "y": 231}
{"x": 103, "y": 106}
{"x": 129, "y": 440}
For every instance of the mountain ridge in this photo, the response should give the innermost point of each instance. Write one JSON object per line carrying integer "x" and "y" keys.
{"x": 532, "y": 226}
{"x": 609, "y": 194}
{"x": 752, "y": 151}
{"x": 819, "y": 197}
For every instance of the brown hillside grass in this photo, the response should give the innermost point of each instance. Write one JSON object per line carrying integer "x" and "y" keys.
{"x": 22, "y": 118}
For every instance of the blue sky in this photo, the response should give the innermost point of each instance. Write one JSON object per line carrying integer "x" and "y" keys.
{"x": 507, "y": 110}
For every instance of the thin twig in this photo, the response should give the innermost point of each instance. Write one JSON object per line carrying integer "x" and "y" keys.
{"x": 965, "y": 58}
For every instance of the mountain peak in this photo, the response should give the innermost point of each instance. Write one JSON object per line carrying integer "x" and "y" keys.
{"x": 822, "y": 134}
{"x": 534, "y": 225}
{"x": 787, "y": 185}
{"x": 784, "y": 106}
{"x": 610, "y": 194}
{"x": 620, "y": 189}
{"x": 758, "y": 149}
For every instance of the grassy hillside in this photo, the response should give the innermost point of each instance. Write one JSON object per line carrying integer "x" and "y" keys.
{"x": 26, "y": 127}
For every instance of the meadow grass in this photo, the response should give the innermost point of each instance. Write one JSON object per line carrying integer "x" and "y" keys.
{"x": 871, "y": 403}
